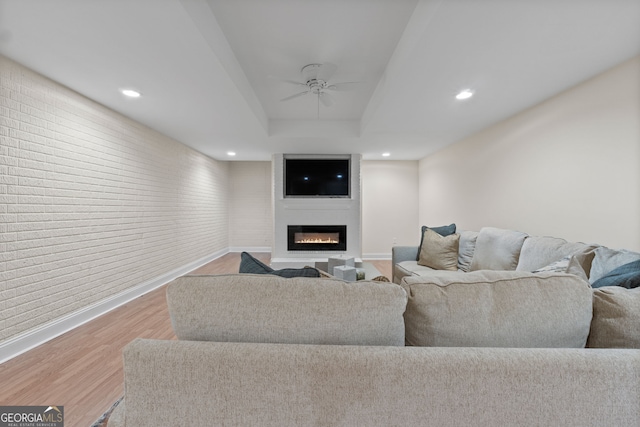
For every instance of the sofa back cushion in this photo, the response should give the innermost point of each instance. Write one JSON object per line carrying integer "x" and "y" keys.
{"x": 497, "y": 249}
{"x": 497, "y": 309}
{"x": 466, "y": 249}
{"x": 538, "y": 252}
{"x": 616, "y": 318}
{"x": 301, "y": 310}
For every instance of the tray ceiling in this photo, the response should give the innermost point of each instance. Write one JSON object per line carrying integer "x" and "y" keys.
{"x": 211, "y": 71}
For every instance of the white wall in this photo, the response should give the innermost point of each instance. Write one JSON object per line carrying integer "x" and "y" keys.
{"x": 92, "y": 204}
{"x": 250, "y": 208}
{"x": 568, "y": 167}
{"x": 389, "y": 206}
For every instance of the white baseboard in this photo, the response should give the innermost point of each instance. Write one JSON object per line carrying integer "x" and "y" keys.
{"x": 250, "y": 249}
{"x": 376, "y": 256}
{"x": 31, "y": 339}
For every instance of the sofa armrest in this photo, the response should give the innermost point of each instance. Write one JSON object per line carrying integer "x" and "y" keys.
{"x": 403, "y": 253}
{"x": 399, "y": 254}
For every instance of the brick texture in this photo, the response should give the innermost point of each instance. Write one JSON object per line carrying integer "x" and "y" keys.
{"x": 92, "y": 203}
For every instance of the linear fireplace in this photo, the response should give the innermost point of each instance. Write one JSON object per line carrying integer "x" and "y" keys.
{"x": 317, "y": 237}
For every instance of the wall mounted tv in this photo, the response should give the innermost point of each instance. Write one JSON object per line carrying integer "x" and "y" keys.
{"x": 317, "y": 177}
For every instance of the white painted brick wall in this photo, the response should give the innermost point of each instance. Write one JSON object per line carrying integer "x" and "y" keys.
{"x": 92, "y": 203}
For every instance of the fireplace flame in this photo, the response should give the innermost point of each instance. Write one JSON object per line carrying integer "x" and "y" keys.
{"x": 317, "y": 238}
{"x": 323, "y": 241}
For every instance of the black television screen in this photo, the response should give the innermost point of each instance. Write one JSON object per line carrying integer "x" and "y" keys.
{"x": 316, "y": 177}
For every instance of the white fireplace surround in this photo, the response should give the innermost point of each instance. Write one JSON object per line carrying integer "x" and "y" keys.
{"x": 314, "y": 211}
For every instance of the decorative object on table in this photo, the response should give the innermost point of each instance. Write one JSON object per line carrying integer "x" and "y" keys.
{"x": 340, "y": 260}
{"x": 345, "y": 272}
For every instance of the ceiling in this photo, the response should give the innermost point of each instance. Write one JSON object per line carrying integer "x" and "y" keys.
{"x": 212, "y": 72}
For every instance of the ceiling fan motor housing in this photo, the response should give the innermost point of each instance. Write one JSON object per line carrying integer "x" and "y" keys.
{"x": 310, "y": 74}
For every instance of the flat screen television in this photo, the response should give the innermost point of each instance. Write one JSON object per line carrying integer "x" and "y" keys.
{"x": 317, "y": 177}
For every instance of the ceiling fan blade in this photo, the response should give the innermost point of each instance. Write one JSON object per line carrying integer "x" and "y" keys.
{"x": 326, "y": 71}
{"x": 326, "y": 99}
{"x": 293, "y": 82}
{"x": 295, "y": 96}
{"x": 278, "y": 79}
{"x": 345, "y": 86}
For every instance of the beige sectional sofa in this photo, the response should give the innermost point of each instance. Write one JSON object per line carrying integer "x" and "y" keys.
{"x": 260, "y": 350}
{"x": 510, "y": 250}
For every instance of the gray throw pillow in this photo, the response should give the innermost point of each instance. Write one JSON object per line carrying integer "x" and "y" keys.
{"x": 251, "y": 265}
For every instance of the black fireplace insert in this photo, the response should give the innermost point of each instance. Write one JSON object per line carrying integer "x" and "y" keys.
{"x": 317, "y": 237}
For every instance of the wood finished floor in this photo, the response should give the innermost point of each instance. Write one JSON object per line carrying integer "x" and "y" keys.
{"x": 82, "y": 369}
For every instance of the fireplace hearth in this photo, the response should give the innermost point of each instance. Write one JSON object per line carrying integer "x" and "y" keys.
{"x": 317, "y": 237}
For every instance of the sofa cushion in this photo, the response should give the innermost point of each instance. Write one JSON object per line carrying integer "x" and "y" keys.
{"x": 497, "y": 249}
{"x": 466, "y": 248}
{"x": 626, "y": 276}
{"x": 302, "y": 310}
{"x": 439, "y": 252}
{"x": 410, "y": 268}
{"x": 251, "y": 265}
{"x": 607, "y": 260}
{"x": 497, "y": 309}
{"x": 443, "y": 230}
{"x": 616, "y": 318}
{"x": 538, "y": 252}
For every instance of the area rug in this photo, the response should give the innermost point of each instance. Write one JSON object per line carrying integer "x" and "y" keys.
{"x": 102, "y": 421}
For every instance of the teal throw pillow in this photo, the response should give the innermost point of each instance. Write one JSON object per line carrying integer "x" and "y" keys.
{"x": 626, "y": 276}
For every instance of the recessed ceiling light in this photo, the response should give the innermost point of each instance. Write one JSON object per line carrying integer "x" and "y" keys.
{"x": 465, "y": 94}
{"x": 231, "y": 153}
{"x": 131, "y": 93}
{"x": 386, "y": 154}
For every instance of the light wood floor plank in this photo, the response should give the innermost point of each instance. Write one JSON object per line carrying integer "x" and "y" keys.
{"x": 82, "y": 369}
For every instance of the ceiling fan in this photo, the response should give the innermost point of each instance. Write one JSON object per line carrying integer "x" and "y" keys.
{"x": 316, "y": 82}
